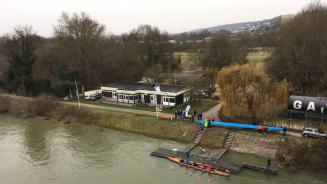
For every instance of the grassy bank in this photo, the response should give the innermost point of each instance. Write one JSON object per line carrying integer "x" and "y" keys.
{"x": 51, "y": 107}
{"x": 146, "y": 125}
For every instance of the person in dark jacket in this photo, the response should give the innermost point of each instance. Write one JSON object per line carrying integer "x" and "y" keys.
{"x": 268, "y": 163}
{"x": 194, "y": 113}
{"x": 201, "y": 126}
{"x": 284, "y": 131}
{"x": 200, "y": 115}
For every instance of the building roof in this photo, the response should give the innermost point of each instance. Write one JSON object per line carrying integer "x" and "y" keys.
{"x": 146, "y": 87}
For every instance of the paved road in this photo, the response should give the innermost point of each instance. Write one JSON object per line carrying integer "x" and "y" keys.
{"x": 213, "y": 113}
{"x": 210, "y": 114}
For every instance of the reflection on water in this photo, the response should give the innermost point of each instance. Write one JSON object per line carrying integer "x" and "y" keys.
{"x": 37, "y": 143}
{"x": 36, "y": 151}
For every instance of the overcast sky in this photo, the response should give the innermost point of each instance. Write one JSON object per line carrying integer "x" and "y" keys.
{"x": 121, "y": 16}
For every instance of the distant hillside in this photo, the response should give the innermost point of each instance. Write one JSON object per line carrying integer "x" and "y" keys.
{"x": 247, "y": 26}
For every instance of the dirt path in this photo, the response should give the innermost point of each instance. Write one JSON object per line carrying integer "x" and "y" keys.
{"x": 213, "y": 113}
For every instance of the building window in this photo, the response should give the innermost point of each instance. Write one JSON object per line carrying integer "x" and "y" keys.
{"x": 169, "y": 99}
{"x": 131, "y": 97}
{"x": 120, "y": 96}
{"x": 172, "y": 100}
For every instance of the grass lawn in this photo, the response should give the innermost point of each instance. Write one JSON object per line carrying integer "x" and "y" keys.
{"x": 200, "y": 105}
{"x": 189, "y": 60}
{"x": 259, "y": 56}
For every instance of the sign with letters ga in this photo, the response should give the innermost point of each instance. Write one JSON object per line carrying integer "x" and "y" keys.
{"x": 304, "y": 103}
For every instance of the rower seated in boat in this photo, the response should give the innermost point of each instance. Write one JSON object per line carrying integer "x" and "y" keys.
{"x": 186, "y": 162}
{"x": 210, "y": 168}
{"x": 201, "y": 166}
{"x": 194, "y": 164}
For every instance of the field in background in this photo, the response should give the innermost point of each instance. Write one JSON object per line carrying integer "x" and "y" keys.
{"x": 259, "y": 56}
{"x": 189, "y": 61}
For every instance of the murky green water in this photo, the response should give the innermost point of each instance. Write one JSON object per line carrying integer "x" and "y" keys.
{"x": 36, "y": 151}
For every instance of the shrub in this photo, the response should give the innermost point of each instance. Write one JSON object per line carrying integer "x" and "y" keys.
{"x": 76, "y": 114}
{"x": 296, "y": 155}
{"x": 4, "y": 104}
{"x": 43, "y": 106}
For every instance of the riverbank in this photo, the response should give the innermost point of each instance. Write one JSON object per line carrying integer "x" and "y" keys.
{"x": 50, "y": 108}
{"x": 37, "y": 151}
{"x": 262, "y": 145}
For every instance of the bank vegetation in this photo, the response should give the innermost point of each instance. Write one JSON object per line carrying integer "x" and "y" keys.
{"x": 298, "y": 154}
{"x": 51, "y": 107}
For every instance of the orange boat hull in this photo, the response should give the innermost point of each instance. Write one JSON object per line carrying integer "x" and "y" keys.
{"x": 214, "y": 171}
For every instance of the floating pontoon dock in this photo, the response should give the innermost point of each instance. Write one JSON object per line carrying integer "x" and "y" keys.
{"x": 217, "y": 163}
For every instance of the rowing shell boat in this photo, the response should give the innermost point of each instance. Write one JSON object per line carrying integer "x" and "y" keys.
{"x": 213, "y": 171}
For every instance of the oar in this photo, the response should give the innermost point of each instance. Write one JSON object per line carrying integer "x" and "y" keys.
{"x": 192, "y": 172}
{"x": 174, "y": 168}
{"x": 209, "y": 179}
{"x": 199, "y": 177}
{"x": 186, "y": 170}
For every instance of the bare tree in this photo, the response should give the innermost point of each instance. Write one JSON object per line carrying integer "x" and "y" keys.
{"x": 79, "y": 40}
{"x": 301, "y": 56}
{"x": 22, "y": 56}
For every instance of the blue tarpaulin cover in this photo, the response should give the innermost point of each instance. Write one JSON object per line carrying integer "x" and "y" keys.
{"x": 239, "y": 125}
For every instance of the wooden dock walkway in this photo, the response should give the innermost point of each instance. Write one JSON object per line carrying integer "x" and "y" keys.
{"x": 212, "y": 157}
{"x": 229, "y": 139}
{"x": 195, "y": 142}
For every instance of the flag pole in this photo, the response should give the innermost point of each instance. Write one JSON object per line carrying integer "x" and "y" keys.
{"x": 79, "y": 103}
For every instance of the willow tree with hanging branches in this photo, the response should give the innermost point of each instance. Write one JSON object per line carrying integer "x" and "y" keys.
{"x": 247, "y": 91}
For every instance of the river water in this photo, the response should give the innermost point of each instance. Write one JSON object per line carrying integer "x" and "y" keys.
{"x": 35, "y": 151}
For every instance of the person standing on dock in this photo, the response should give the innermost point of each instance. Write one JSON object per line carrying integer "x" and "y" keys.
{"x": 268, "y": 163}
{"x": 187, "y": 155}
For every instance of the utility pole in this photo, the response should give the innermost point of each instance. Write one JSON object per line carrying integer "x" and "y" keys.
{"x": 322, "y": 116}
{"x": 79, "y": 103}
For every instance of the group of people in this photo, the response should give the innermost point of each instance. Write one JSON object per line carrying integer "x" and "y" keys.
{"x": 264, "y": 128}
{"x": 205, "y": 124}
{"x": 197, "y": 165}
{"x": 181, "y": 114}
